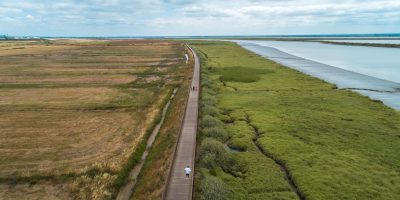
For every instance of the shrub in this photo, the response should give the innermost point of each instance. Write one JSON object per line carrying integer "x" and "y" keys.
{"x": 226, "y": 119}
{"x": 238, "y": 144}
{"x": 209, "y": 160}
{"x": 212, "y": 188}
{"x": 208, "y": 100}
{"x": 209, "y": 121}
{"x": 209, "y": 110}
{"x": 212, "y": 172}
{"x": 205, "y": 82}
{"x": 216, "y": 132}
{"x": 208, "y": 91}
{"x": 213, "y": 153}
{"x": 235, "y": 167}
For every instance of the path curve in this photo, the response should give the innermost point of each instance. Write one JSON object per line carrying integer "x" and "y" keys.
{"x": 179, "y": 187}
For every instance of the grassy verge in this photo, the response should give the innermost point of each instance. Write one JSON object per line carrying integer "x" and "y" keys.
{"x": 154, "y": 174}
{"x": 136, "y": 155}
{"x": 285, "y": 135}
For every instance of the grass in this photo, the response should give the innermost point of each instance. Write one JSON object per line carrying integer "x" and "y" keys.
{"x": 332, "y": 144}
{"x": 235, "y": 74}
{"x": 80, "y": 107}
{"x": 154, "y": 175}
{"x": 136, "y": 155}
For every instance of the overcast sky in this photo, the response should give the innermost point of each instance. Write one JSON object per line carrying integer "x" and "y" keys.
{"x": 201, "y": 17}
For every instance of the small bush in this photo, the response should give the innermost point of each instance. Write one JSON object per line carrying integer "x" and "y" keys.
{"x": 209, "y": 110}
{"x": 238, "y": 144}
{"x": 208, "y": 100}
{"x": 207, "y": 97}
{"x": 209, "y": 160}
{"x": 216, "y": 132}
{"x": 212, "y": 172}
{"x": 205, "y": 82}
{"x": 213, "y": 153}
{"x": 212, "y": 188}
{"x": 209, "y": 121}
{"x": 226, "y": 119}
{"x": 209, "y": 91}
{"x": 236, "y": 168}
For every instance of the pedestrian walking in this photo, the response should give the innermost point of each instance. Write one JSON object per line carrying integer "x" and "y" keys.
{"x": 187, "y": 171}
{"x": 186, "y": 58}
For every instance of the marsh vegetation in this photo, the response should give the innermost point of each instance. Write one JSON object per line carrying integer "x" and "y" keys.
{"x": 271, "y": 132}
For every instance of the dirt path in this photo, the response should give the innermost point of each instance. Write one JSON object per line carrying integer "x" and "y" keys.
{"x": 179, "y": 187}
{"x": 126, "y": 191}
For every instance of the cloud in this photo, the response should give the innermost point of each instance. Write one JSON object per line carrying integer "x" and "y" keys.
{"x": 299, "y": 13}
{"x": 135, "y": 17}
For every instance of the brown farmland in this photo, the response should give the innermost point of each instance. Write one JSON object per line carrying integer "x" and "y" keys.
{"x": 72, "y": 111}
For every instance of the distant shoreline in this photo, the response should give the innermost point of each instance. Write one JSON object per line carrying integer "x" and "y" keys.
{"x": 310, "y": 36}
{"x": 302, "y": 38}
{"x": 362, "y": 44}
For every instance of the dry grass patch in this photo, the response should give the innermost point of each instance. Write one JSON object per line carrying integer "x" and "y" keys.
{"x": 56, "y": 98}
{"x": 55, "y": 142}
{"x": 31, "y": 50}
{"x": 68, "y": 79}
{"x": 42, "y": 191}
{"x": 72, "y": 112}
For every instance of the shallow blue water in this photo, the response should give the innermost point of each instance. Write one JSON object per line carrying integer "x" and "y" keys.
{"x": 383, "y": 63}
{"x": 371, "y": 71}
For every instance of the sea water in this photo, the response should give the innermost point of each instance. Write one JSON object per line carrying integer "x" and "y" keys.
{"x": 371, "y": 71}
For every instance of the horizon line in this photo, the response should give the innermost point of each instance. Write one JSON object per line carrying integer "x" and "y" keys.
{"x": 200, "y": 36}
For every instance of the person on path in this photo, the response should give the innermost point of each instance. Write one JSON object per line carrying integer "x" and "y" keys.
{"x": 187, "y": 171}
{"x": 186, "y": 58}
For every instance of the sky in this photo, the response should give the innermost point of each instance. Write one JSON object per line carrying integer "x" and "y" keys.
{"x": 197, "y": 17}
